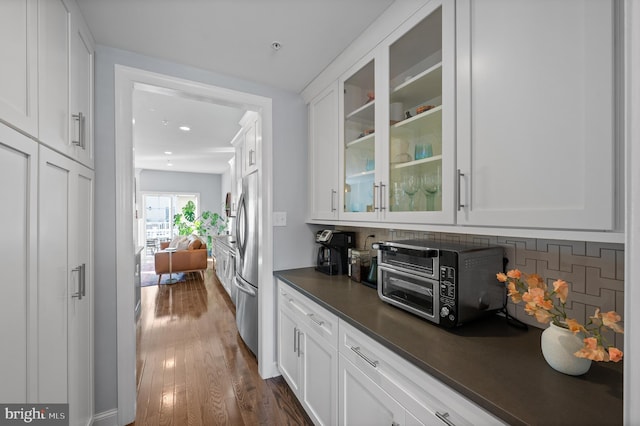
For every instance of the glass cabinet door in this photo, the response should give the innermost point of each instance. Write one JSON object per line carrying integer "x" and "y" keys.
{"x": 359, "y": 141}
{"x": 416, "y": 119}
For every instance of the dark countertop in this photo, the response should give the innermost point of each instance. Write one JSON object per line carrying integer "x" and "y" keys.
{"x": 499, "y": 367}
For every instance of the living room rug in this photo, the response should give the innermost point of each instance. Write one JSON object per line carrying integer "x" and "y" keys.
{"x": 149, "y": 276}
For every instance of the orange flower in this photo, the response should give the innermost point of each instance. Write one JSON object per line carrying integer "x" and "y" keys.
{"x": 515, "y": 295}
{"x": 615, "y": 354}
{"x": 535, "y": 281}
{"x": 515, "y": 274}
{"x": 543, "y": 316}
{"x": 533, "y": 290}
{"x": 562, "y": 290}
{"x": 610, "y": 319}
{"x": 575, "y": 327}
{"x": 590, "y": 343}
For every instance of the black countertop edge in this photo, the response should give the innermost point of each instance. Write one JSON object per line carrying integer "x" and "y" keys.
{"x": 506, "y": 415}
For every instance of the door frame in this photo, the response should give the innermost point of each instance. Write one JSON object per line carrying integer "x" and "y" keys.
{"x": 127, "y": 80}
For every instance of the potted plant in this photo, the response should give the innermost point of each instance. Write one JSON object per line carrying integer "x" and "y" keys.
{"x": 206, "y": 224}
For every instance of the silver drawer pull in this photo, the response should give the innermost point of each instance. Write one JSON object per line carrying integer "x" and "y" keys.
{"x": 356, "y": 349}
{"x": 445, "y": 418}
{"x": 318, "y": 322}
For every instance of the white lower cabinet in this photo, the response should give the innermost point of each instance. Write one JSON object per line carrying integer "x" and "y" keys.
{"x": 423, "y": 399}
{"x": 48, "y": 267}
{"x": 65, "y": 285}
{"x": 363, "y": 402}
{"x": 307, "y": 354}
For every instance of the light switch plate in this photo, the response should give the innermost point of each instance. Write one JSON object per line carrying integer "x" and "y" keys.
{"x": 279, "y": 218}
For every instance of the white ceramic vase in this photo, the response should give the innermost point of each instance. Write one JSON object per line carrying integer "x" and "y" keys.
{"x": 558, "y": 347}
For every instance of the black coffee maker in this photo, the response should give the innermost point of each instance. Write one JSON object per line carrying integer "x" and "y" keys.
{"x": 333, "y": 253}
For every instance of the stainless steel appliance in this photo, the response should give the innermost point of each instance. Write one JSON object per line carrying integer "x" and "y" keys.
{"x": 333, "y": 253}
{"x": 246, "y": 279}
{"x": 446, "y": 283}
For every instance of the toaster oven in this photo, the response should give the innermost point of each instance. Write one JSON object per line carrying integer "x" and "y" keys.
{"x": 446, "y": 283}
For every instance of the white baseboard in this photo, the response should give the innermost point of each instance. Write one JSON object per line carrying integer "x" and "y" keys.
{"x": 106, "y": 418}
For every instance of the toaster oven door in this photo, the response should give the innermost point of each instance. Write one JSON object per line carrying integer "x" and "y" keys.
{"x": 413, "y": 293}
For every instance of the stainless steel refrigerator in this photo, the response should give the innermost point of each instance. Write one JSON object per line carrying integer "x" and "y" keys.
{"x": 246, "y": 280}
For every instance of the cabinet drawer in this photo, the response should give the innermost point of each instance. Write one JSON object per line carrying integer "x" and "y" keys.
{"x": 407, "y": 383}
{"x": 310, "y": 313}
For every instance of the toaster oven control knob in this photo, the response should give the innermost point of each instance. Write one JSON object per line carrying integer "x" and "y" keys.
{"x": 444, "y": 311}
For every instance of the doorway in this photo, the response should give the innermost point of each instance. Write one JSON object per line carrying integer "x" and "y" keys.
{"x": 127, "y": 80}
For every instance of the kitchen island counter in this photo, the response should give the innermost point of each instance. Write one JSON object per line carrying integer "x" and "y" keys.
{"x": 496, "y": 365}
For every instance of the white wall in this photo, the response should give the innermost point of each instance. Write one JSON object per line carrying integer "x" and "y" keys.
{"x": 293, "y": 244}
{"x": 208, "y": 186}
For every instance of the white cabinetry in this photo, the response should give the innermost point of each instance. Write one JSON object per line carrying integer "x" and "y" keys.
{"x": 19, "y": 302}
{"x": 19, "y": 70}
{"x": 536, "y": 123}
{"x": 81, "y": 96}
{"x": 397, "y": 124}
{"x": 251, "y": 142}
{"x": 49, "y": 262}
{"x": 363, "y": 402}
{"x": 323, "y": 155}
{"x": 65, "y": 309}
{"x": 46, "y": 87}
{"x": 307, "y": 353}
{"x": 394, "y": 390}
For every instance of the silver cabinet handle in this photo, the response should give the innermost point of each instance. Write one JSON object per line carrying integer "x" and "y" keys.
{"x": 78, "y": 293}
{"x": 356, "y": 349}
{"x": 318, "y": 322}
{"x": 299, "y": 333}
{"x": 333, "y": 206}
{"x": 375, "y": 188}
{"x": 251, "y": 159}
{"x": 445, "y": 418}
{"x": 460, "y": 205}
{"x": 382, "y": 195}
{"x": 83, "y": 280}
{"x": 80, "y": 118}
{"x": 295, "y": 339}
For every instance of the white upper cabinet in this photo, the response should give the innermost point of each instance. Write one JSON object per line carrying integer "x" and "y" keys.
{"x": 419, "y": 118}
{"x": 19, "y": 70}
{"x": 252, "y": 131}
{"x": 54, "y": 24}
{"x": 397, "y": 118}
{"x": 46, "y": 82}
{"x": 323, "y": 155}
{"x": 535, "y": 119}
{"x": 82, "y": 54}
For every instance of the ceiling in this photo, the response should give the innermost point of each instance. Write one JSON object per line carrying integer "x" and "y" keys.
{"x": 232, "y": 37}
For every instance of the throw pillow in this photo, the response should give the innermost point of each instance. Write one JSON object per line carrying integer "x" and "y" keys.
{"x": 194, "y": 243}
{"x": 183, "y": 244}
{"x": 177, "y": 240}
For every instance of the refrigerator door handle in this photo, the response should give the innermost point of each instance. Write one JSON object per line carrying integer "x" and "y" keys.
{"x": 241, "y": 216}
{"x": 244, "y": 287}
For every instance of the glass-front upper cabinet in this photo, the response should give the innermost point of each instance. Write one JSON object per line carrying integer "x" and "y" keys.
{"x": 421, "y": 120}
{"x": 359, "y": 137}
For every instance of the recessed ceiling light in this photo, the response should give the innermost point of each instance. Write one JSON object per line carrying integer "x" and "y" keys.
{"x": 184, "y": 128}
{"x": 276, "y": 45}
{"x": 168, "y": 152}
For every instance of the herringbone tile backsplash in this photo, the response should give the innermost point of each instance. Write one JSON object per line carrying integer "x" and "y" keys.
{"x": 594, "y": 271}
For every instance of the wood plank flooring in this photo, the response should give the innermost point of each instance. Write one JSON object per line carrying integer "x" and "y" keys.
{"x": 194, "y": 369}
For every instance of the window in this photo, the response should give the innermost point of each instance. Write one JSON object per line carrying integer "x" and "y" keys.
{"x": 159, "y": 209}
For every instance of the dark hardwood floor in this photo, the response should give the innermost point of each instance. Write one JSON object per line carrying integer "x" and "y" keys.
{"x": 193, "y": 368}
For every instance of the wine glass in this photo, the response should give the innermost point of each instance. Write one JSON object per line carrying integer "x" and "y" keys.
{"x": 429, "y": 185}
{"x": 410, "y": 187}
